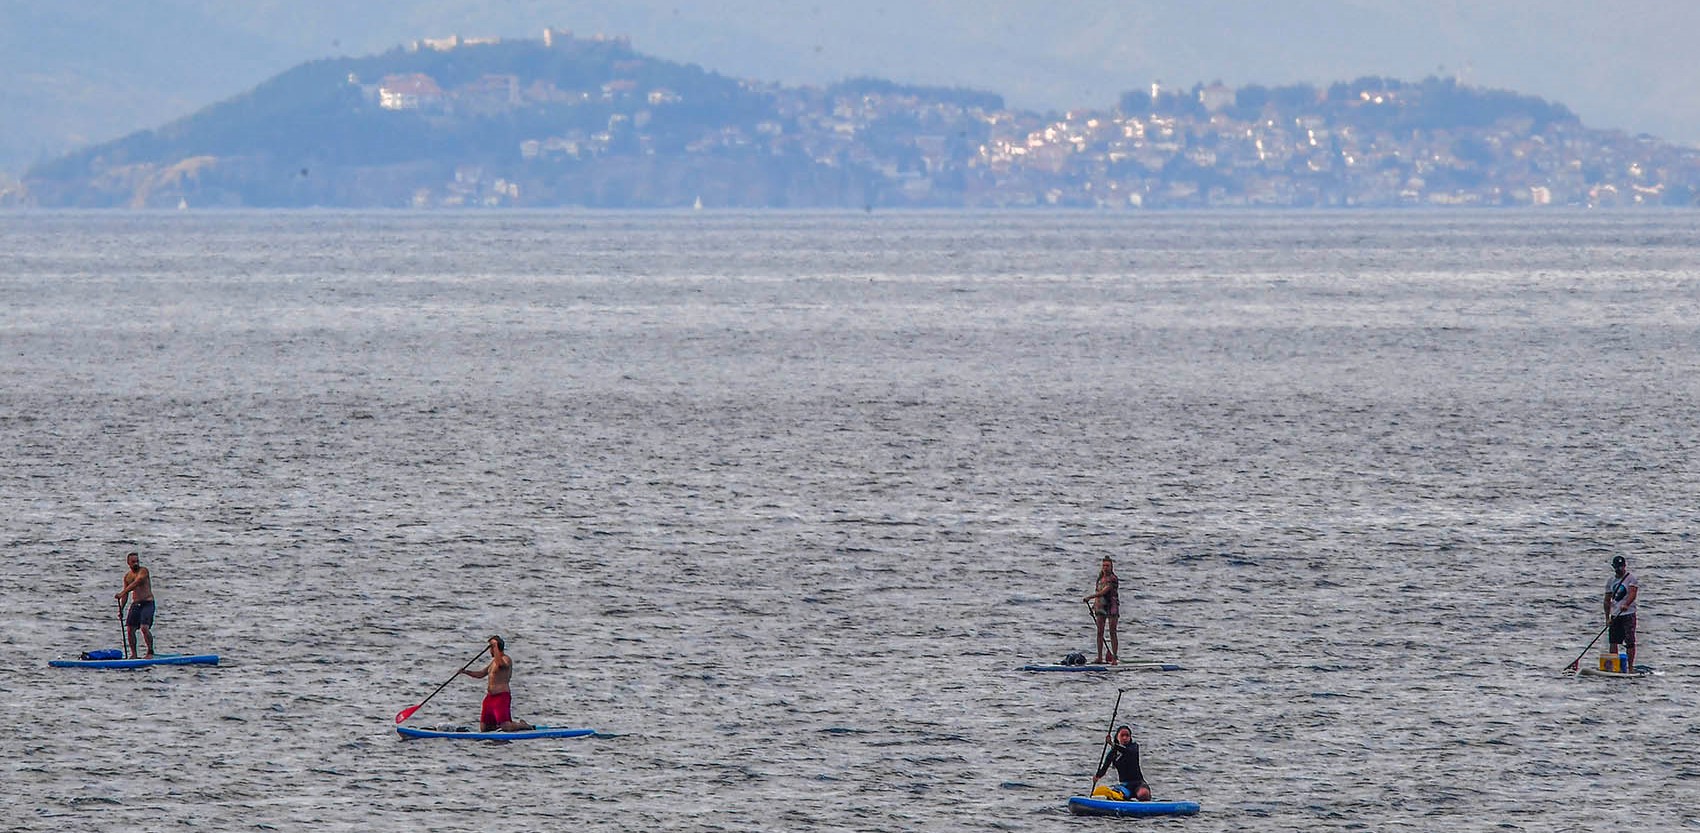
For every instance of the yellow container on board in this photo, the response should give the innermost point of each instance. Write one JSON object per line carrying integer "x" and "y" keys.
{"x": 1612, "y": 663}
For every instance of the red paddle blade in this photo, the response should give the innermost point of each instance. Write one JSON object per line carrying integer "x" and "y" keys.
{"x": 406, "y": 713}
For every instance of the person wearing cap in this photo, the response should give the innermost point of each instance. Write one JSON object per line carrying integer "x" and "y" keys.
{"x": 497, "y": 713}
{"x": 1123, "y": 754}
{"x": 1621, "y": 593}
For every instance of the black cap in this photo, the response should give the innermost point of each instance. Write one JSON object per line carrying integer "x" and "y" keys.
{"x": 1618, "y": 561}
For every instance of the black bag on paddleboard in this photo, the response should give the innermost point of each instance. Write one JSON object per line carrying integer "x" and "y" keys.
{"x": 1076, "y": 658}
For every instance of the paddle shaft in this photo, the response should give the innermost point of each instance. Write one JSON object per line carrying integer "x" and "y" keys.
{"x": 1578, "y": 661}
{"x": 1107, "y": 733}
{"x": 123, "y": 631}
{"x": 407, "y": 713}
{"x": 1097, "y": 647}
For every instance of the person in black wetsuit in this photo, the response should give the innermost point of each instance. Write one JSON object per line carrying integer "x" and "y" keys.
{"x": 1123, "y": 754}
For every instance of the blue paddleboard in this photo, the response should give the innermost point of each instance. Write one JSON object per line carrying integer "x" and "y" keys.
{"x": 528, "y": 734}
{"x": 1081, "y": 805}
{"x": 156, "y": 659}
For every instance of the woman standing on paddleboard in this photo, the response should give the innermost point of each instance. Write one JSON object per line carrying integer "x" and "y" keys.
{"x": 1106, "y": 604}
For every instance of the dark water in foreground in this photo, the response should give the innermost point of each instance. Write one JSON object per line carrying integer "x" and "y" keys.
{"x": 778, "y": 502}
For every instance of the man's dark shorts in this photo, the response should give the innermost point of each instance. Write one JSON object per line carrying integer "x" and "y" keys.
{"x": 141, "y": 613}
{"x": 1623, "y": 630}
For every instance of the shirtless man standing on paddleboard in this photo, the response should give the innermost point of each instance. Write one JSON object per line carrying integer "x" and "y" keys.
{"x": 138, "y": 585}
{"x": 497, "y": 714}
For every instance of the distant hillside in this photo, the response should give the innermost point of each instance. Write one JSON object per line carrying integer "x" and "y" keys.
{"x": 1428, "y": 105}
{"x": 570, "y": 121}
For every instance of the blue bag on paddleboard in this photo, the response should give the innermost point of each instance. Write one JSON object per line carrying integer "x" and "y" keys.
{"x": 107, "y": 653}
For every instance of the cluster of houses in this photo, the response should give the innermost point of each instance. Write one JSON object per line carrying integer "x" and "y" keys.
{"x": 1208, "y": 158}
{"x": 1147, "y": 160}
{"x": 492, "y": 92}
{"x": 1131, "y": 160}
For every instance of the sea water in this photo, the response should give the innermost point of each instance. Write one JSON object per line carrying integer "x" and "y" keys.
{"x": 778, "y": 503}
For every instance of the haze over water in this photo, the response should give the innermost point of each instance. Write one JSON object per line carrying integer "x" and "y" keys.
{"x": 779, "y": 502}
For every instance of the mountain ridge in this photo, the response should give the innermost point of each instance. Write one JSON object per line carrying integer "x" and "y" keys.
{"x": 572, "y": 121}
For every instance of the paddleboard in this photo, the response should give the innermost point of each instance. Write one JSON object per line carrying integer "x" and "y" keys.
{"x": 468, "y": 734}
{"x": 1081, "y": 805}
{"x": 1120, "y": 666}
{"x": 1640, "y": 671}
{"x": 157, "y": 659}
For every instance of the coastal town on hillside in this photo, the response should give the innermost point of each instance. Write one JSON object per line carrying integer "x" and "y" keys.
{"x": 1119, "y": 160}
{"x": 637, "y": 132}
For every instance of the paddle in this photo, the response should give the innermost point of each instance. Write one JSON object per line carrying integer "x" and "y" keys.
{"x": 1098, "y": 640}
{"x": 1107, "y": 734}
{"x": 123, "y": 632}
{"x": 1578, "y": 661}
{"x": 408, "y": 712}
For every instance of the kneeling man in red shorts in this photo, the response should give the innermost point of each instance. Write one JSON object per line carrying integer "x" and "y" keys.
{"x": 498, "y": 714}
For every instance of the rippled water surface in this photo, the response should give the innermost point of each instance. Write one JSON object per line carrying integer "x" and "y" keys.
{"x": 779, "y": 502}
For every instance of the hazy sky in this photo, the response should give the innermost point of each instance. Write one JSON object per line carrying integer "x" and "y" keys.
{"x": 89, "y": 70}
